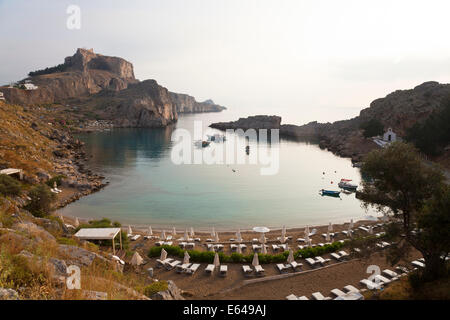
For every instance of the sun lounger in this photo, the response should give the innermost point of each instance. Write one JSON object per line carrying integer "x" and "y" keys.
{"x": 301, "y": 247}
{"x": 259, "y": 270}
{"x": 363, "y": 228}
{"x": 302, "y": 298}
{"x": 390, "y": 273}
{"x": 159, "y": 243}
{"x": 319, "y": 296}
{"x": 337, "y": 292}
{"x": 182, "y": 267}
{"x": 210, "y": 268}
{"x": 382, "y": 279}
{"x": 168, "y": 243}
{"x": 370, "y": 284}
{"x": 182, "y": 244}
{"x": 343, "y": 254}
{"x": 336, "y": 256}
{"x": 162, "y": 263}
{"x": 197, "y": 239}
{"x": 219, "y": 247}
{"x": 275, "y": 247}
{"x": 300, "y": 240}
{"x": 351, "y": 288}
{"x": 209, "y": 240}
{"x": 223, "y": 270}
{"x": 247, "y": 270}
{"x": 168, "y": 238}
{"x": 345, "y": 232}
{"x": 295, "y": 265}
{"x": 282, "y": 268}
{"x": 190, "y": 245}
{"x": 292, "y": 297}
{"x": 135, "y": 237}
{"x": 254, "y": 240}
{"x": 418, "y": 264}
{"x": 173, "y": 264}
{"x": 421, "y": 260}
{"x": 256, "y": 248}
{"x": 283, "y": 246}
{"x": 243, "y": 247}
{"x": 321, "y": 260}
{"x": 311, "y": 262}
{"x": 401, "y": 269}
{"x": 191, "y": 270}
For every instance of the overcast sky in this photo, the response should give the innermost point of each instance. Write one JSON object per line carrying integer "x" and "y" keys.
{"x": 304, "y": 60}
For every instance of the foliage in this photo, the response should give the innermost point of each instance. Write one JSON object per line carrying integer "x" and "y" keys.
{"x": 59, "y": 68}
{"x": 414, "y": 194}
{"x": 41, "y": 200}
{"x": 372, "y": 128}
{"x": 67, "y": 241}
{"x": 58, "y": 179}
{"x": 9, "y": 186}
{"x": 433, "y": 134}
{"x": 208, "y": 256}
{"x": 155, "y": 287}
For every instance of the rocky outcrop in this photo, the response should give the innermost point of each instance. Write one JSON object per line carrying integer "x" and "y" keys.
{"x": 79, "y": 256}
{"x": 8, "y": 294}
{"x": 187, "y": 104}
{"x": 172, "y": 293}
{"x": 253, "y": 122}
{"x": 144, "y": 104}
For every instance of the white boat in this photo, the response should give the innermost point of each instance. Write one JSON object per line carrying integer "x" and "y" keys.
{"x": 346, "y": 185}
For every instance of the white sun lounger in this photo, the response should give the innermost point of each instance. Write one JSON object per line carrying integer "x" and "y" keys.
{"x": 282, "y": 268}
{"x": 321, "y": 260}
{"x": 183, "y": 267}
{"x": 256, "y": 248}
{"x": 337, "y": 292}
{"x": 336, "y": 256}
{"x": 190, "y": 245}
{"x": 300, "y": 239}
{"x": 243, "y": 247}
{"x": 210, "y": 268}
{"x": 295, "y": 265}
{"x": 259, "y": 270}
{"x": 311, "y": 262}
{"x": 303, "y": 298}
{"x": 343, "y": 254}
{"x": 233, "y": 247}
{"x": 162, "y": 263}
{"x": 370, "y": 284}
{"x": 382, "y": 279}
{"x": 173, "y": 264}
{"x": 390, "y": 273}
{"x": 418, "y": 264}
{"x": 182, "y": 244}
{"x": 350, "y": 288}
{"x": 223, "y": 270}
{"x": 191, "y": 270}
{"x": 283, "y": 246}
{"x": 169, "y": 238}
{"x": 319, "y": 296}
{"x": 135, "y": 237}
{"x": 247, "y": 270}
{"x": 275, "y": 247}
{"x": 292, "y": 297}
{"x": 168, "y": 243}
{"x": 159, "y": 243}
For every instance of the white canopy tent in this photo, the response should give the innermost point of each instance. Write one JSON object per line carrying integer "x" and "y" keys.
{"x": 100, "y": 234}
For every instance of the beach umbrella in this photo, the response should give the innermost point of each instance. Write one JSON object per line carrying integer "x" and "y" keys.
{"x": 192, "y": 232}
{"x": 213, "y": 232}
{"x": 174, "y": 231}
{"x": 163, "y": 255}
{"x": 150, "y": 231}
{"x": 163, "y": 235}
{"x": 351, "y": 224}
{"x": 264, "y": 249}
{"x": 330, "y": 227}
{"x": 238, "y": 236}
{"x": 313, "y": 232}
{"x": 216, "y": 237}
{"x": 283, "y": 234}
{"x": 136, "y": 260}
{"x": 76, "y": 223}
{"x": 255, "y": 261}
{"x": 186, "y": 258}
{"x": 186, "y": 237}
{"x": 290, "y": 258}
{"x": 216, "y": 262}
{"x": 328, "y": 238}
{"x": 262, "y": 239}
{"x": 239, "y": 249}
{"x": 129, "y": 230}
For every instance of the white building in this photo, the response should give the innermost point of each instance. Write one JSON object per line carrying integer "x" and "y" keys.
{"x": 2, "y": 97}
{"x": 30, "y": 86}
{"x": 389, "y": 136}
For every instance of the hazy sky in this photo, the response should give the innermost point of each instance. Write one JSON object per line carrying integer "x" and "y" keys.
{"x": 303, "y": 60}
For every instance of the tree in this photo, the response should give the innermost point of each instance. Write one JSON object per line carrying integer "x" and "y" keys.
{"x": 9, "y": 186}
{"x": 41, "y": 200}
{"x": 372, "y": 128}
{"x": 414, "y": 195}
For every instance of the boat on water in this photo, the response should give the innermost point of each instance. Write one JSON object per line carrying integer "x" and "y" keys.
{"x": 346, "y": 185}
{"x": 202, "y": 144}
{"x": 217, "y": 138}
{"x": 330, "y": 193}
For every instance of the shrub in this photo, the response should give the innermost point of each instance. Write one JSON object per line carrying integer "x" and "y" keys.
{"x": 372, "y": 128}
{"x": 67, "y": 241}
{"x": 155, "y": 287}
{"x": 41, "y": 200}
{"x": 9, "y": 186}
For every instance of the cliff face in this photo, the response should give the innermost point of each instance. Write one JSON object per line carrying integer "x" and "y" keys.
{"x": 144, "y": 104}
{"x": 254, "y": 122}
{"x": 187, "y": 104}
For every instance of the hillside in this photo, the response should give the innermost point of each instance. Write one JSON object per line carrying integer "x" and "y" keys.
{"x": 105, "y": 87}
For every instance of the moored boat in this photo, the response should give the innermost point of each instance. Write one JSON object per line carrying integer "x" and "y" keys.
{"x": 346, "y": 185}
{"x": 330, "y": 193}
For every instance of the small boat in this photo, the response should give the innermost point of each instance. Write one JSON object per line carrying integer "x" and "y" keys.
{"x": 202, "y": 144}
{"x": 205, "y": 143}
{"x": 346, "y": 185}
{"x": 356, "y": 164}
{"x": 330, "y": 193}
{"x": 247, "y": 150}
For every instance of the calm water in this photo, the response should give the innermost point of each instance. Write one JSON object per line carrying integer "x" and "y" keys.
{"x": 146, "y": 188}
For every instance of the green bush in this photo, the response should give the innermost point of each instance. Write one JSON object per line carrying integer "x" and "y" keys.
{"x": 208, "y": 256}
{"x": 9, "y": 186}
{"x": 41, "y": 200}
{"x": 67, "y": 241}
{"x": 155, "y": 287}
{"x": 372, "y": 128}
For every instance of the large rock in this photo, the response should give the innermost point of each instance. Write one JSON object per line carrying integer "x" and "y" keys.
{"x": 79, "y": 256}
{"x": 8, "y": 294}
{"x": 35, "y": 231}
{"x": 187, "y": 104}
{"x": 172, "y": 293}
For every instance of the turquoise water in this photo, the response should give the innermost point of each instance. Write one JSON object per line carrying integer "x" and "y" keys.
{"x": 147, "y": 188}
